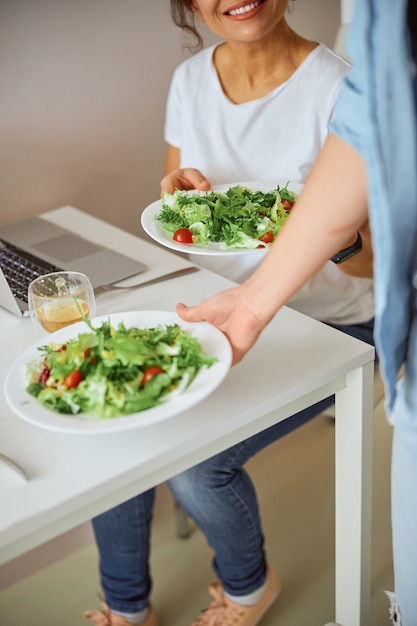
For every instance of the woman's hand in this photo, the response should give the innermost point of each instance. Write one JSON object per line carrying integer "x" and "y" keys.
{"x": 231, "y": 313}
{"x": 184, "y": 179}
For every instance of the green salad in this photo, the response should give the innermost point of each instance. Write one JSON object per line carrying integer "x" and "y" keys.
{"x": 236, "y": 218}
{"x": 111, "y": 372}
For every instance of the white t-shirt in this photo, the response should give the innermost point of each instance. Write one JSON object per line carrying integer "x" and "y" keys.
{"x": 274, "y": 138}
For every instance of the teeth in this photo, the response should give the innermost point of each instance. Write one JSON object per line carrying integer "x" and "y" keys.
{"x": 245, "y": 9}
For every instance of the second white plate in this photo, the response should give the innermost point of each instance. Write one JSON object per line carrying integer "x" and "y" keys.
{"x": 212, "y": 341}
{"x": 156, "y": 231}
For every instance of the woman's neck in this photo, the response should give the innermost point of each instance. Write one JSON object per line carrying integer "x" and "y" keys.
{"x": 249, "y": 71}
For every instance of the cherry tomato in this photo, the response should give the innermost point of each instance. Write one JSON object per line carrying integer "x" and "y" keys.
{"x": 150, "y": 372}
{"x": 73, "y": 379}
{"x": 183, "y": 235}
{"x": 267, "y": 237}
{"x": 287, "y": 204}
{"x": 62, "y": 348}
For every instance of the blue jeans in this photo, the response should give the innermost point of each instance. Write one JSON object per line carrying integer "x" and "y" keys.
{"x": 219, "y": 496}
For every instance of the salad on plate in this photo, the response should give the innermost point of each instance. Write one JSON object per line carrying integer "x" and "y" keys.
{"x": 115, "y": 371}
{"x": 238, "y": 217}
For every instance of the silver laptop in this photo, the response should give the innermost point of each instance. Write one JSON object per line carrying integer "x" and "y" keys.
{"x": 35, "y": 246}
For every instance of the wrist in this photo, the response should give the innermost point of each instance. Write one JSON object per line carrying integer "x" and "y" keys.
{"x": 259, "y": 299}
{"x": 349, "y": 251}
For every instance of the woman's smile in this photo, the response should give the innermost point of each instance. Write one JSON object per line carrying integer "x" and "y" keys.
{"x": 244, "y": 11}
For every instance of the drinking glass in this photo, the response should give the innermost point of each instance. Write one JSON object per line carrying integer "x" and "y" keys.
{"x": 60, "y": 299}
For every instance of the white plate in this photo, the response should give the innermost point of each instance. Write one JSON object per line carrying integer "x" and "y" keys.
{"x": 154, "y": 228}
{"x": 213, "y": 343}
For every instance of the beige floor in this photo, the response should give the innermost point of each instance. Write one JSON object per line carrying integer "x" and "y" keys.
{"x": 295, "y": 483}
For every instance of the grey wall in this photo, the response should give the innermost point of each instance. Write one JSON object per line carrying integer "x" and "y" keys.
{"x": 83, "y": 87}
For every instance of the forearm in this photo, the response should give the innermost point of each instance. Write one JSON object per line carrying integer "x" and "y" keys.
{"x": 331, "y": 207}
{"x": 327, "y": 214}
{"x": 172, "y": 159}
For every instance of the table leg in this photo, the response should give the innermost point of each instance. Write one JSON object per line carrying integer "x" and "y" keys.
{"x": 353, "y": 456}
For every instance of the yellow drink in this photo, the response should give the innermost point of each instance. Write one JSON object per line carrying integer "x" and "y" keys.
{"x": 55, "y": 315}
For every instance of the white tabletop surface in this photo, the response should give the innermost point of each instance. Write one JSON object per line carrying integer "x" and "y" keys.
{"x": 295, "y": 362}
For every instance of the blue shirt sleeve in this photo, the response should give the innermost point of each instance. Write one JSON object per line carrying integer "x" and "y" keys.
{"x": 349, "y": 120}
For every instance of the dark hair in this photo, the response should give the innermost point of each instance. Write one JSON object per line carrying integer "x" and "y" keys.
{"x": 184, "y": 17}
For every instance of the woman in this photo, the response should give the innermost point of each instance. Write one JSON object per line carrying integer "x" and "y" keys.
{"x": 254, "y": 107}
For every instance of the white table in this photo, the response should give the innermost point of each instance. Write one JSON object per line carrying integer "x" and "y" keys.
{"x": 296, "y": 362}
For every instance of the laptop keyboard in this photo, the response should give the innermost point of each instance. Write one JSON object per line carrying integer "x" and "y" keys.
{"x": 20, "y": 268}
